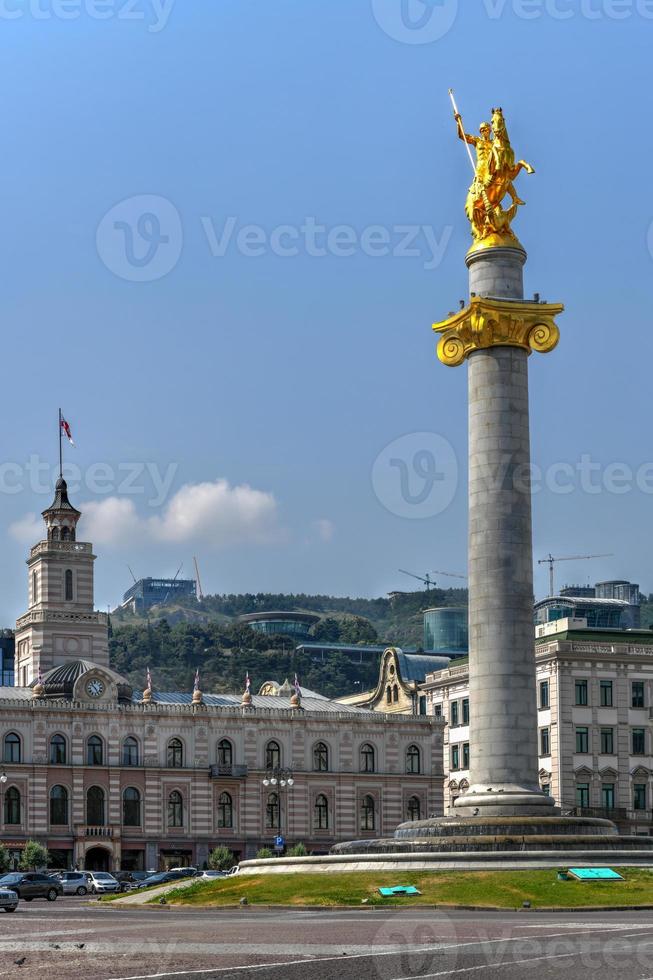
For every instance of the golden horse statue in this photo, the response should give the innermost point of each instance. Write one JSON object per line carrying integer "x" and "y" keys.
{"x": 495, "y": 172}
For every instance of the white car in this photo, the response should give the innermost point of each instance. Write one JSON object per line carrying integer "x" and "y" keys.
{"x": 74, "y": 882}
{"x": 101, "y": 882}
{"x": 8, "y": 900}
{"x": 212, "y": 875}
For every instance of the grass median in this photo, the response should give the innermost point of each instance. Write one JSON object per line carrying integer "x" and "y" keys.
{"x": 491, "y": 889}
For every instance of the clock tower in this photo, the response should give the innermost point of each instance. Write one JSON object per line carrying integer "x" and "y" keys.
{"x": 61, "y": 624}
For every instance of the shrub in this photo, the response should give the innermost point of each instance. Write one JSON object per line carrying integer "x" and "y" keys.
{"x": 5, "y": 860}
{"x": 34, "y": 856}
{"x": 298, "y": 851}
{"x": 265, "y": 852}
{"x": 221, "y": 859}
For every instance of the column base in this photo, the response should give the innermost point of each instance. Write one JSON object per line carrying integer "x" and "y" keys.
{"x": 505, "y": 800}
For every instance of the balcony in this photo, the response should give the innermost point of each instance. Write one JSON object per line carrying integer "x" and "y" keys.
{"x": 96, "y": 831}
{"x": 228, "y": 772}
{"x": 68, "y": 547}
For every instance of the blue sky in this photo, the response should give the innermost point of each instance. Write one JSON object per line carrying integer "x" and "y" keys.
{"x": 157, "y": 161}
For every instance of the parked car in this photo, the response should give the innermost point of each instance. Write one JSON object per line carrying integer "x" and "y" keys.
{"x": 32, "y": 884}
{"x": 130, "y": 879}
{"x": 101, "y": 882}
{"x": 212, "y": 875}
{"x": 8, "y": 899}
{"x": 162, "y": 878}
{"x": 187, "y": 872}
{"x": 74, "y": 882}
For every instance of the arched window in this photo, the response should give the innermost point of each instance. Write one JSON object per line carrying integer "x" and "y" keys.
{"x": 54, "y": 534}
{"x": 225, "y": 752}
{"x": 68, "y": 588}
{"x": 395, "y": 693}
{"x": 320, "y": 757}
{"x": 130, "y": 751}
{"x": 94, "y": 751}
{"x": 225, "y": 811}
{"x": 367, "y": 758}
{"x": 12, "y": 806}
{"x": 58, "y": 750}
{"x": 414, "y": 809}
{"x": 59, "y": 805}
{"x": 175, "y": 753}
{"x": 175, "y": 809}
{"x": 321, "y": 812}
{"x": 95, "y": 806}
{"x": 388, "y": 694}
{"x": 272, "y": 755}
{"x": 367, "y": 813}
{"x": 131, "y": 807}
{"x": 273, "y": 812}
{"x": 65, "y": 533}
{"x": 413, "y": 759}
{"x": 12, "y": 747}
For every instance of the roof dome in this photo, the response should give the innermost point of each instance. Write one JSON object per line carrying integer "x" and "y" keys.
{"x": 60, "y": 681}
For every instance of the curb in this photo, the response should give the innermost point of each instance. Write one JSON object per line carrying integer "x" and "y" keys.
{"x": 379, "y": 908}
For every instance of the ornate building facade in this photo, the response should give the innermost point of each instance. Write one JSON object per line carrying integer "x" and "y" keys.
{"x": 109, "y": 778}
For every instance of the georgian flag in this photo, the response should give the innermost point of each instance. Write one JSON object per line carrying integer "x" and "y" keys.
{"x": 66, "y": 429}
{"x": 149, "y": 680}
{"x": 298, "y": 690}
{"x": 197, "y": 680}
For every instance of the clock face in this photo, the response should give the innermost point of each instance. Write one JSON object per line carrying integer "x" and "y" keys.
{"x": 95, "y": 688}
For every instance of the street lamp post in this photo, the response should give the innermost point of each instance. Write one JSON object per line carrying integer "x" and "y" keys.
{"x": 282, "y": 779}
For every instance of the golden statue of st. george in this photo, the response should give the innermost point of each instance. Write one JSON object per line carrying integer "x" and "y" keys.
{"x": 494, "y": 173}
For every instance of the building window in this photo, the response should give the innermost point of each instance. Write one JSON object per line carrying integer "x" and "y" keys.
{"x": 414, "y": 809}
{"x": 367, "y": 758}
{"x": 607, "y": 741}
{"x": 320, "y": 757}
{"x": 465, "y": 711}
{"x": 34, "y": 590}
{"x": 422, "y": 704}
{"x": 582, "y": 740}
{"x": 12, "y": 747}
{"x": 413, "y": 760}
{"x": 437, "y": 711}
{"x": 225, "y": 811}
{"x": 583, "y": 795}
{"x": 395, "y": 693}
{"x": 273, "y": 812}
{"x": 607, "y": 796}
{"x": 544, "y": 694}
{"x": 225, "y": 753}
{"x": 388, "y": 694}
{"x": 321, "y": 813}
{"x": 12, "y": 806}
{"x": 605, "y": 689}
{"x": 368, "y": 820}
{"x": 546, "y": 789}
{"x": 58, "y": 750}
{"x": 581, "y": 692}
{"x": 465, "y": 759}
{"x": 130, "y": 751}
{"x": 545, "y": 742}
{"x": 95, "y": 806}
{"x": 131, "y": 807}
{"x": 175, "y": 809}
{"x": 455, "y": 757}
{"x": 59, "y": 805}
{"x": 94, "y": 753}
{"x": 637, "y": 694}
{"x": 639, "y": 796}
{"x": 454, "y": 714}
{"x": 272, "y": 755}
{"x": 639, "y": 741}
{"x": 68, "y": 588}
{"x": 175, "y": 754}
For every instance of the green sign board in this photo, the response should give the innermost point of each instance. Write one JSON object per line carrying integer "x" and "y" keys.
{"x": 595, "y": 874}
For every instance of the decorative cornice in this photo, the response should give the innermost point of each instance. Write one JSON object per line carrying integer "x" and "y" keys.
{"x": 497, "y": 323}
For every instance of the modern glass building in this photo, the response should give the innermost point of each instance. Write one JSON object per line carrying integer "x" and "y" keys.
{"x": 599, "y": 613}
{"x": 7, "y": 658}
{"x": 446, "y": 630}
{"x": 294, "y": 624}
{"x": 148, "y": 592}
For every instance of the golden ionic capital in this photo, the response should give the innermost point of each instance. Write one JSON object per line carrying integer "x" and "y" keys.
{"x": 498, "y": 323}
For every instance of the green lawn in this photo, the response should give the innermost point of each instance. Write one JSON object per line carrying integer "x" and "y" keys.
{"x": 499, "y": 889}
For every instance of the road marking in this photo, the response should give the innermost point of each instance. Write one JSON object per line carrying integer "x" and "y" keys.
{"x": 484, "y": 966}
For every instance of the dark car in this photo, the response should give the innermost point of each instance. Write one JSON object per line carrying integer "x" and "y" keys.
{"x": 32, "y": 884}
{"x": 163, "y": 878}
{"x": 130, "y": 879}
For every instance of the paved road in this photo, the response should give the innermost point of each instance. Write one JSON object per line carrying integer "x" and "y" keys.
{"x": 70, "y": 939}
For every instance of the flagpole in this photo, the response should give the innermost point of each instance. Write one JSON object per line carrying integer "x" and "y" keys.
{"x": 60, "y": 450}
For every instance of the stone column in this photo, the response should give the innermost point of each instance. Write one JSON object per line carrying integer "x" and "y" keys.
{"x": 495, "y": 335}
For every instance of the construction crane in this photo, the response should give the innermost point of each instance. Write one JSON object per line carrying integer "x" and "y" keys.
{"x": 550, "y": 561}
{"x": 200, "y": 594}
{"x": 174, "y": 580}
{"x": 427, "y": 578}
{"x": 132, "y": 574}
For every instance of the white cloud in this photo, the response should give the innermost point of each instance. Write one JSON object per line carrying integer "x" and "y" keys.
{"x": 27, "y": 529}
{"x": 216, "y": 515}
{"x": 325, "y": 529}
